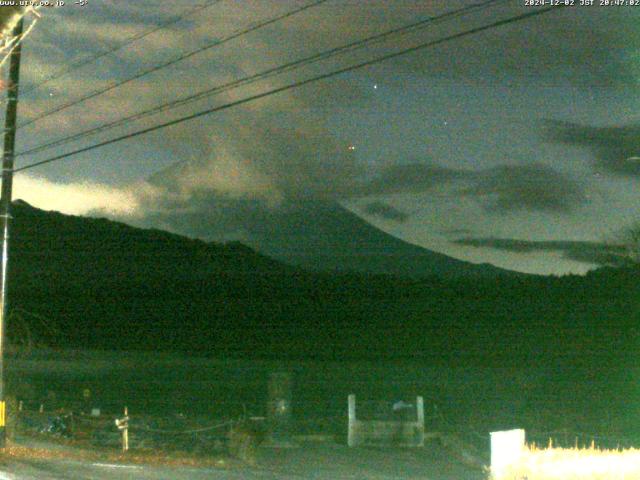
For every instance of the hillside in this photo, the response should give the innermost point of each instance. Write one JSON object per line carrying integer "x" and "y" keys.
{"x": 102, "y": 284}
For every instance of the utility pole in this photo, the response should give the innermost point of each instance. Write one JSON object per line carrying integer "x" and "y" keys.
{"x": 5, "y": 208}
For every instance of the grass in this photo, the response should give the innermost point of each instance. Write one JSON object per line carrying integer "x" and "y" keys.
{"x": 590, "y": 463}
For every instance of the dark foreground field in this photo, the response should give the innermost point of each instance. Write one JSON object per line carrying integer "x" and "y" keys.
{"x": 173, "y": 393}
{"x": 467, "y": 397}
{"x": 321, "y": 462}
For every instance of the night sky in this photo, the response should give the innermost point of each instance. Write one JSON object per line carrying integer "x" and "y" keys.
{"x": 518, "y": 146}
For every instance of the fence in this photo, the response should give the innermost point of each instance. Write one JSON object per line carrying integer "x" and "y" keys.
{"x": 112, "y": 430}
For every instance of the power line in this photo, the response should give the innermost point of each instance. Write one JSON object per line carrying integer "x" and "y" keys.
{"x": 82, "y": 62}
{"x": 262, "y": 75}
{"x": 290, "y": 86}
{"x": 178, "y": 59}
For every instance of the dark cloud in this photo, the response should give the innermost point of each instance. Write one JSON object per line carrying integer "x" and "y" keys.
{"x": 534, "y": 187}
{"x": 411, "y": 178}
{"x": 271, "y": 169}
{"x": 457, "y": 231}
{"x": 595, "y": 253}
{"x": 571, "y": 47}
{"x": 345, "y": 93}
{"x": 616, "y": 149}
{"x": 386, "y": 211}
{"x": 254, "y": 164}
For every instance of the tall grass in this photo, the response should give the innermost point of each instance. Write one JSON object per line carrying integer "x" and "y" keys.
{"x": 589, "y": 463}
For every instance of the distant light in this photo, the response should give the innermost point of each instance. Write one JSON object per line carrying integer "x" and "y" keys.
{"x": 375, "y": 86}
{"x": 352, "y": 147}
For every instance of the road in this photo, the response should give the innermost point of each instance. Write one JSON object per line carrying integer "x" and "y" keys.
{"x": 317, "y": 463}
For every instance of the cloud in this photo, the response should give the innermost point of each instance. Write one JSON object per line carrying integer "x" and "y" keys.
{"x": 79, "y": 198}
{"x": 534, "y": 187}
{"x": 457, "y": 231}
{"x": 594, "y": 253}
{"x": 109, "y": 25}
{"x": 261, "y": 155}
{"x": 385, "y": 211}
{"x": 506, "y": 188}
{"x": 411, "y": 178}
{"x": 254, "y": 155}
{"x": 241, "y": 166}
{"x": 244, "y": 166}
{"x": 586, "y": 51}
{"x": 615, "y": 149}
{"x": 242, "y": 179}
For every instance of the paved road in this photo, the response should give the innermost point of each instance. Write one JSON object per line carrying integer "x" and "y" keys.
{"x": 73, "y": 470}
{"x": 317, "y": 463}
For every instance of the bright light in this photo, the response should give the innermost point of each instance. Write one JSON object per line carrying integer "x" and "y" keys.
{"x": 77, "y": 198}
{"x": 506, "y": 450}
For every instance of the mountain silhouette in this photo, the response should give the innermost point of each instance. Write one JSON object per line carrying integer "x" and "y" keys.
{"x": 320, "y": 236}
{"x": 328, "y": 237}
{"x": 312, "y": 233}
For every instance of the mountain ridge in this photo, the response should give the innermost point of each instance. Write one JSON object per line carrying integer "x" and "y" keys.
{"x": 106, "y": 285}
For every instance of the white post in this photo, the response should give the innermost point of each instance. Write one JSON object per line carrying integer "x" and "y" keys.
{"x": 420, "y": 414}
{"x": 420, "y": 409}
{"x": 506, "y": 450}
{"x": 351, "y": 439}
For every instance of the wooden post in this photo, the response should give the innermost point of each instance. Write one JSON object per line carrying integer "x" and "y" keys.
{"x": 123, "y": 426}
{"x": 5, "y": 205}
{"x": 72, "y": 424}
{"x": 125, "y": 431}
{"x": 351, "y": 438}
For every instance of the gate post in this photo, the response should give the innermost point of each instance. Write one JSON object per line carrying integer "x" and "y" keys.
{"x": 351, "y": 438}
{"x": 420, "y": 420}
{"x": 279, "y": 419}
